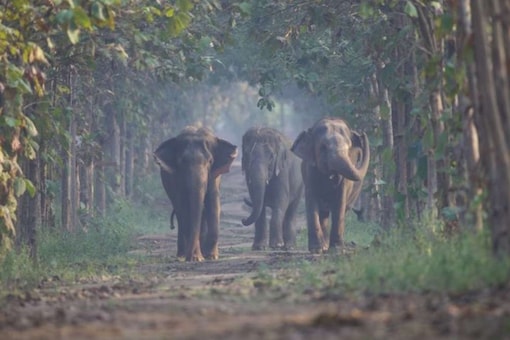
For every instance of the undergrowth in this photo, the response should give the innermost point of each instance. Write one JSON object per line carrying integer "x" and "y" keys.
{"x": 101, "y": 249}
{"x": 417, "y": 258}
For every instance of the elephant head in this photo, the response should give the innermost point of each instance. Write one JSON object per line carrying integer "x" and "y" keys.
{"x": 265, "y": 153}
{"x": 334, "y": 149}
{"x": 196, "y": 148}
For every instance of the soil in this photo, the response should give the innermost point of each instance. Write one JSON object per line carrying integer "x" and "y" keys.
{"x": 230, "y": 299}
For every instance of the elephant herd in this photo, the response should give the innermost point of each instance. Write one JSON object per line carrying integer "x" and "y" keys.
{"x": 327, "y": 162}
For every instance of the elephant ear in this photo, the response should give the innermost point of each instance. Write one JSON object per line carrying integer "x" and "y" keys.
{"x": 224, "y": 154}
{"x": 165, "y": 155}
{"x": 302, "y": 147}
{"x": 245, "y": 156}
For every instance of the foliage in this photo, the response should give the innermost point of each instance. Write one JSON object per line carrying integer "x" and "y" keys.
{"x": 49, "y": 42}
{"x": 404, "y": 261}
{"x": 103, "y": 250}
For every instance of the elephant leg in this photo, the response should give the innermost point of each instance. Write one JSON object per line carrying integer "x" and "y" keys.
{"x": 275, "y": 228}
{"x": 289, "y": 221}
{"x": 324, "y": 223}
{"x": 336, "y": 237}
{"x": 212, "y": 219}
{"x": 181, "y": 239}
{"x": 203, "y": 232}
{"x": 260, "y": 240}
{"x": 181, "y": 243}
{"x": 316, "y": 243}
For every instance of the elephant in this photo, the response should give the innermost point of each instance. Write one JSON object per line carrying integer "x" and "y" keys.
{"x": 274, "y": 180}
{"x": 335, "y": 162}
{"x": 191, "y": 165}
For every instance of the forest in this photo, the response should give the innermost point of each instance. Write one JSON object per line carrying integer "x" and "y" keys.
{"x": 90, "y": 88}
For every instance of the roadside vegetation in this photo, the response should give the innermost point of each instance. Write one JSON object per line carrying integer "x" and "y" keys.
{"x": 417, "y": 258}
{"x": 89, "y": 88}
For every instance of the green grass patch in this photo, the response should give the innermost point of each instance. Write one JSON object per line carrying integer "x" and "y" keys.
{"x": 100, "y": 250}
{"x": 416, "y": 259}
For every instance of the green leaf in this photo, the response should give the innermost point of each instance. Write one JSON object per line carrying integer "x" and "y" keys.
{"x": 184, "y": 5}
{"x": 64, "y": 16}
{"x": 385, "y": 112}
{"x": 30, "y": 127}
{"x": 178, "y": 23}
{"x": 411, "y": 10}
{"x": 81, "y": 19}
{"x": 14, "y": 75}
{"x": 73, "y": 35}
{"x": 451, "y": 213}
{"x": 30, "y": 187}
{"x": 170, "y": 12}
{"x": 97, "y": 11}
{"x": 366, "y": 10}
{"x": 245, "y": 8}
{"x": 19, "y": 186}
{"x": 204, "y": 42}
{"x": 11, "y": 122}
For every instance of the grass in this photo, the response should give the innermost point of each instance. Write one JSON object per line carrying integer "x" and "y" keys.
{"x": 416, "y": 259}
{"x": 99, "y": 251}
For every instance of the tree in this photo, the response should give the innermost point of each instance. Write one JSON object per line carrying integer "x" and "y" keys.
{"x": 492, "y": 111}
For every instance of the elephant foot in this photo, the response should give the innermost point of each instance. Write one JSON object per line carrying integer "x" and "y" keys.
{"x": 196, "y": 258}
{"x": 288, "y": 247}
{"x": 318, "y": 250}
{"x": 213, "y": 256}
{"x": 258, "y": 247}
{"x": 276, "y": 245}
{"x": 319, "y": 247}
{"x": 181, "y": 256}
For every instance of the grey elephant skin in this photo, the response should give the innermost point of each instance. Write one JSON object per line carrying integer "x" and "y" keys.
{"x": 191, "y": 165}
{"x": 274, "y": 180}
{"x": 335, "y": 162}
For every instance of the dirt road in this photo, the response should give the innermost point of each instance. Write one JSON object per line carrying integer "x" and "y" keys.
{"x": 233, "y": 298}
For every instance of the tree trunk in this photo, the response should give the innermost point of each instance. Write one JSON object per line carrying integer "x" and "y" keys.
{"x": 29, "y": 211}
{"x": 466, "y": 107}
{"x": 388, "y": 216}
{"x": 494, "y": 112}
{"x": 129, "y": 163}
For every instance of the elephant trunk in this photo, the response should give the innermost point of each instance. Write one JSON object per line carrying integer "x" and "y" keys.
{"x": 196, "y": 183}
{"x": 343, "y": 164}
{"x": 366, "y": 157}
{"x": 257, "y": 190}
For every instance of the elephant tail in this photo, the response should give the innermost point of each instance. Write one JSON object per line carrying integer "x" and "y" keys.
{"x": 172, "y": 224}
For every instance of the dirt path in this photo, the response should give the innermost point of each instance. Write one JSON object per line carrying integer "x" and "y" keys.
{"x": 226, "y": 299}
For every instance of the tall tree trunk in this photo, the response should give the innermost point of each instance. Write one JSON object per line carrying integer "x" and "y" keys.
{"x": 47, "y": 196}
{"x": 113, "y": 149}
{"x": 69, "y": 169}
{"x": 388, "y": 216}
{"x": 494, "y": 112}
{"x": 375, "y": 205}
{"x": 100, "y": 185}
{"x": 466, "y": 107}
{"x": 130, "y": 162}
{"x": 438, "y": 160}
{"x": 29, "y": 210}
